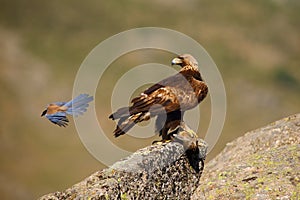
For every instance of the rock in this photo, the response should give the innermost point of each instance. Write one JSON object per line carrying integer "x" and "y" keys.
{"x": 159, "y": 171}
{"x": 262, "y": 164}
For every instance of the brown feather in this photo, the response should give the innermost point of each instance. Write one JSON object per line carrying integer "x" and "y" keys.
{"x": 176, "y": 94}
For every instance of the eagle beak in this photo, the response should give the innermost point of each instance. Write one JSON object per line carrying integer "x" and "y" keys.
{"x": 176, "y": 61}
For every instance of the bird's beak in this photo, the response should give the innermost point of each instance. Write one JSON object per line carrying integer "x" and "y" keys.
{"x": 176, "y": 61}
{"x": 44, "y": 113}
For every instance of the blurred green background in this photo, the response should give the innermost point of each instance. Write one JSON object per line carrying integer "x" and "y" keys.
{"x": 255, "y": 44}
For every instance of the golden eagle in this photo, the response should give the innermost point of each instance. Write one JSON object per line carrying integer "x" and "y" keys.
{"x": 167, "y": 99}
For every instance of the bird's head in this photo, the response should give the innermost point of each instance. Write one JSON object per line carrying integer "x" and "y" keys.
{"x": 184, "y": 60}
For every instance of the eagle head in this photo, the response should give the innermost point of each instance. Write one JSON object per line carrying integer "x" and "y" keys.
{"x": 184, "y": 60}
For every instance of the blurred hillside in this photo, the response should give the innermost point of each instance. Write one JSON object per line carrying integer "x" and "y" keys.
{"x": 255, "y": 44}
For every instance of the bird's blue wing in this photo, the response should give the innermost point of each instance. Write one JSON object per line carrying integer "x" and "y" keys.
{"x": 78, "y": 105}
{"x": 58, "y": 118}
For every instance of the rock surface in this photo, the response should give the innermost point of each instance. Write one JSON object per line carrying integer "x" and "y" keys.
{"x": 156, "y": 172}
{"x": 263, "y": 164}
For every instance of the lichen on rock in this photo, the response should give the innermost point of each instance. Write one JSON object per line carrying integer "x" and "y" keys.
{"x": 262, "y": 164}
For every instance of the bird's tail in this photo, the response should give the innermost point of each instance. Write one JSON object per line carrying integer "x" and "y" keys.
{"x": 78, "y": 105}
{"x": 127, "y": 122}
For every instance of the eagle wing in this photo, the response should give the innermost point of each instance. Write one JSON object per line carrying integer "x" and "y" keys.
{"x": 151, "y": 102}
{"x": 160, "y": 93}
{"x": 161, "y": 99}
{"x": 169, "y": 93}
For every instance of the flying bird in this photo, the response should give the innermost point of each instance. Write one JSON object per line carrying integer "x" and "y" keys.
{"x": 57, "y": 112}
{"x": 167, "y": 99}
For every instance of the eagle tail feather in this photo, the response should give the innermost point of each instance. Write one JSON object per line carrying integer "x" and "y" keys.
{"x": 126, "y": 123}
{"x": 120, "y": 113}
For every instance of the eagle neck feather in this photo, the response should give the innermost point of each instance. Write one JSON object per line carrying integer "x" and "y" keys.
{"x": 193, "y": 71}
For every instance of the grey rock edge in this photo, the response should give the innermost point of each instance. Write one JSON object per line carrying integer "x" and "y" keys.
{"x": 159, "y": 171}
